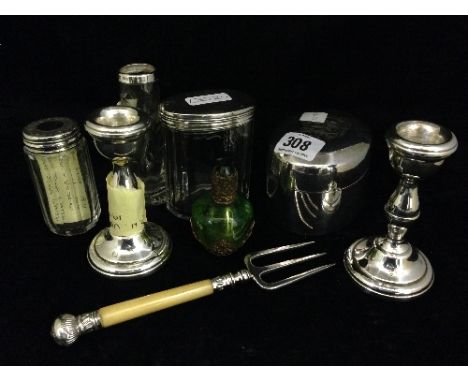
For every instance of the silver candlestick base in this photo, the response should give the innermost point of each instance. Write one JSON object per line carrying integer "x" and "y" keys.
{"x": 132, "y": 256}
{"x": 386, "y": 273}
{"x": 390, "y": 266}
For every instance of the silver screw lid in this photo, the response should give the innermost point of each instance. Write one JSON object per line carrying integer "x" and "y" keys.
{"x": 137, "y": 73}
{"x": 51, "y": 135}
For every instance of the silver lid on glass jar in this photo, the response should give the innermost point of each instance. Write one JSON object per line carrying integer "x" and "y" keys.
{"x": 137, "y": 73}
{"x": 207, "y": 110}
{"x": 51, "y": 135}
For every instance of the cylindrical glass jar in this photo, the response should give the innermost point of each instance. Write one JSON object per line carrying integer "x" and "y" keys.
{"x": 61, "y": 170}
{"x": 203, "y": 129}
{"x": 139, "y": 88}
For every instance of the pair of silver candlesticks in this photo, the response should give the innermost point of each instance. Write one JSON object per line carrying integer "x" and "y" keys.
{"x": 388, "y": 266}
{"x": 130, "y": 133}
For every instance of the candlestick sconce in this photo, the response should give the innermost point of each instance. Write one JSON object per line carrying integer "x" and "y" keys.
{"x": 131, "y": 246}
{"x": 390, "y": 266}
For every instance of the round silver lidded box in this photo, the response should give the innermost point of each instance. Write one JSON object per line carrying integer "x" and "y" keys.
{"x": 317, "y": 162}
{"x": 202, "y": 130}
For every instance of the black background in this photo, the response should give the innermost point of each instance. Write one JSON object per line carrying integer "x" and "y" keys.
{"x": 382, "y": 69}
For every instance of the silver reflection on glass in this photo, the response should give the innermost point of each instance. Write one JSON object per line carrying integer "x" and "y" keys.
{"x": 131, "y": 246}
{"x": 390, "y": 266}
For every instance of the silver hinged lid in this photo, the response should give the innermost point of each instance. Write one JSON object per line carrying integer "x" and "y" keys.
{"x": 207, "y": 110}
{"x": 342, "y": 159}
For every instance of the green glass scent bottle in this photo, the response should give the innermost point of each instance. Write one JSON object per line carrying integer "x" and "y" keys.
{"x": 222, "y": 220}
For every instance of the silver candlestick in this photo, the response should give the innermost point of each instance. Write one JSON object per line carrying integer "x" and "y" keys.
{"x": 131, "y": 246}
{"x": 390, "y": 266}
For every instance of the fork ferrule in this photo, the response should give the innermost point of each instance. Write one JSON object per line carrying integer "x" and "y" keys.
{"x": 230, "y": 279}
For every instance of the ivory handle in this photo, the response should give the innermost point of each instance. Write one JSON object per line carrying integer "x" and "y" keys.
{"x": 67, "y": 328}
{"x": 141, "y": 306}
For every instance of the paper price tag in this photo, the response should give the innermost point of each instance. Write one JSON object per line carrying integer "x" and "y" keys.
{"x": 299, "y": 145}
{"x": 316, "y": 117}
{"x": 208, "y": 98}
{"x": 127, "y": 213}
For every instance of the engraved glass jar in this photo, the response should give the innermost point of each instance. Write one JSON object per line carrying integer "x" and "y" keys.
{"x": 61, "y": 170}
{"x": 202, "y": 130}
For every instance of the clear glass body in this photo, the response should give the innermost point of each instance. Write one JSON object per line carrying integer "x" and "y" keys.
{"x": 191, "y": 157}
{"x": 65, "y": 185}
{"x": 150, "y": 165}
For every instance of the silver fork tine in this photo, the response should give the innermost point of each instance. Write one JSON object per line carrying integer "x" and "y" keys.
{"x": 287, "y": 263}
{"x": 279, "y": 249}
{"x": 256, "y": 272}
{"x": 292, "y": 279}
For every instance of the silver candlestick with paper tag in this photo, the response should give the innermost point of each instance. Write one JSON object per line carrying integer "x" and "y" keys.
{"x": 131, "y": 246}
{"x": 317, "y": 163}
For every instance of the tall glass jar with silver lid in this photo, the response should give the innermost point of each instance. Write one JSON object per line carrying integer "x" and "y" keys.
{"x": 202, "y": 130}
{"x": 61, "y": 170}
{"x": 139, "y": 88}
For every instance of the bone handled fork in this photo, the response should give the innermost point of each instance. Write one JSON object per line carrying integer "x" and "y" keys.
{"x": 67, "y": 328}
